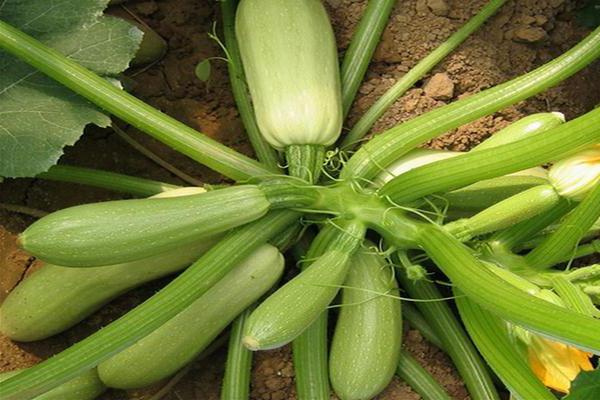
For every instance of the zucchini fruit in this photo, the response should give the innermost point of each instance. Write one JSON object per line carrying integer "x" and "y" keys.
{"x": 368, "y": 334}
{"x": 120, "y": 231}
{"x": 291, "y": 64}
{"x": 181, "y": 339}
{"x": 285, "y": 314}
{"x": 55, "y": 298}
{"x": 86, "y": 386}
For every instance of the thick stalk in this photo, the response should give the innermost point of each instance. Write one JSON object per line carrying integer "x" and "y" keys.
{"x": 264, "y": 152}
{"x": 310, "y": 348}
{"x": 310, "y": 361}
{"x": 573, "y": 297}
{"x": 151, "y": 314}
{"x": 387, "y": 147}
{"x": 106, "y": 180}
{"x": 411, "y": 372}
{"x": 361, "y": 48}
{"x": 305, "y": 161}
{"x": 533, "y": 150}
{"x": 563, "y": 242}
{"x": 236, "y": 382}
{"x": 361, "y": 128}
{"x": 490, "y": 335}
{"x": 121, "y": 104}
{"x": 504, "y": 299}
{"x": 452, "y": 336}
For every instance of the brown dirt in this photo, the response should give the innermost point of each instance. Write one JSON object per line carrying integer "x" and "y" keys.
{"x": 525, "y": 34}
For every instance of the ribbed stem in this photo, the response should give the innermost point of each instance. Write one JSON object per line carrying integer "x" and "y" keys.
{"x": 411, "y": 372}
{"x": 236, "y": 382}
{"x": 533, "y": 150}
{"x": 573, "y": 297}
{"x": 387, "y": 147}
{"x": 362, "y": 46}
{"x": 151, "y": 314}
{"x": 310, "y": 348}
{"x": 305, "y": 161}
{"x": 490, "y": 335}
{"x": 416, "y": 321}
{"x": 130, "y": 109}
{"x": 502, "y": 298}
{"x": 310, "y": 361}
{"x": 106, "y": 180}
{"x": 563, "y": 242}
{"x": 451, "y": 334}
{"x": 361, "y": 128}
{"x": 265, "y": 153}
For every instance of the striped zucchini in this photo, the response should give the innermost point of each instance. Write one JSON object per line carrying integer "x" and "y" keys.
{"x": 55, "y": 298}
{"x": 181, "y": 339}
{"x": 120, "y": 231}
{"x": 285, "y": 314}
{"x": 366, "y": 344}
{"x": 290, "y": 59}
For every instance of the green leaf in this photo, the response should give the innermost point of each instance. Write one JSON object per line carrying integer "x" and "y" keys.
{"x": 39, "y": 117}
{"x": 203, "y": 70}
{"x": 585, "y": 387}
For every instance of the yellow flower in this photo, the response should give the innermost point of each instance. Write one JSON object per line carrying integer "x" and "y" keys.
{"x": 555, "y": 363}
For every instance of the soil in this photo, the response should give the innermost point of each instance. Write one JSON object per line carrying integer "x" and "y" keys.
{"x": 522, "y": 36}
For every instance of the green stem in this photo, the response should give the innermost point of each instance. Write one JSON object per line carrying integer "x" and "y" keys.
{"x": 583, "y": 273}
{"x": 310, "y": 348}
{"x": 310, "y": 361}
{"x": 265, "y": 153}
{"x": 503, "y": 299}
{"x": 573, "y": 297}
{"x": 236, "y": 382}
{"x": 361, "y": 128}
{"x": 452, "y": 336}
{"x": 490, "y": 335}
{"x": 506, "y": 213}
{"x": 106, "y": 180}
{"x": 563, "y": 242}
{"x": 387, "y": 147}
{"x": 305, "y": 161}
{"x": 533, "y": 150}
{"x": 130, "y": 109}
{"x": 416, "y": 321}
{"x": 411, "y": 372}
{"x": 362, "y": 46}
{"x": 151, "y": 314}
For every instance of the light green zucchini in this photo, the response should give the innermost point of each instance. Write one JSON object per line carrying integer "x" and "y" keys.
{"x": 522, "y": 128}
{"x": 285, "y": 314}
{"x": 181, "y": 339}
{"x": 120, "y": 231}
{"x": 55, "y": 298}
{"x": 86, "y": 386}
{"x": 291, "y": 63}
{"x": 486, "y": 193}
{"x": 368, "y": 334}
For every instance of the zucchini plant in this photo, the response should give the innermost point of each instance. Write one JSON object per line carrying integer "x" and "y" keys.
{"x": 495, "y": 223}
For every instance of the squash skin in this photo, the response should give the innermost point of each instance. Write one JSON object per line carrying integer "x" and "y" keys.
{"x": 177, "y": 342}
{"x": 291, "y": 64}
{"x": 368, "y": 334}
